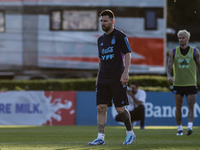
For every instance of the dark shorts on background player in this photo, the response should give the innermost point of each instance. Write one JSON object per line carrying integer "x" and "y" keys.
{"x": 185, "y": 90}
{"x": 106, "y": 93}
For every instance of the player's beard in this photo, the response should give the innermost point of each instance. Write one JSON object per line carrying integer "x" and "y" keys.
{"x": 105, "y": 29}
{"x": 183, "y": 43}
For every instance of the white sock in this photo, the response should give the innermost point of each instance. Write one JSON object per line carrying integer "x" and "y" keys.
{"x": 129, "y": 132}
{"x": 101, "y": 136}
{"x": 180, "y": 127}
{"x": 190, "y": 124}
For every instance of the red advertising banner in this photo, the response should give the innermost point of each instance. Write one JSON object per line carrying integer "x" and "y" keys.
{"x": 37, "y": 108}
{"x": 63, "y": 104}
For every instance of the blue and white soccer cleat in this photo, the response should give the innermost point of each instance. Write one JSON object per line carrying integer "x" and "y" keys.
{"x": 97, "y": 141}
{"x": 129, "y": 139}
{"x": 179, "y": 133}
{"x": 189, "y": 131}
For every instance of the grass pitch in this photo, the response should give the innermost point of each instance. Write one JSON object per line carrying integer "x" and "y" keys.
{"x": 77, "y": 137}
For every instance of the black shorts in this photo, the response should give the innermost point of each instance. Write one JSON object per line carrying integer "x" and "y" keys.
{"x": 106, "y": 93}
{"x": 185, "y": 90}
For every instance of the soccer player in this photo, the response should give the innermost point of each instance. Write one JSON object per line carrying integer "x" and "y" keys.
{"x": 184, "y": 60}
{"x": 113, "y": 75}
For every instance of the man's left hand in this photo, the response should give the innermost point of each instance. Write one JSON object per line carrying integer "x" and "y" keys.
{"x": 124, "y": 78}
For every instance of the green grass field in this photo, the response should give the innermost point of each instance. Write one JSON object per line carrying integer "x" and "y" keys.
{"x": 77, "y": 137}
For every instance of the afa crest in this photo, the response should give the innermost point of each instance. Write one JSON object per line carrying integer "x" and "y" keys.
{"x": 113, "y": 40}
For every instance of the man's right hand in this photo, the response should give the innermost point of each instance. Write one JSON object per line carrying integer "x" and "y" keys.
{"x": 171, "y": 79}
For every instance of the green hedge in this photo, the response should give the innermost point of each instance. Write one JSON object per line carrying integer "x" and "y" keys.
{"x": 148, "y": 83}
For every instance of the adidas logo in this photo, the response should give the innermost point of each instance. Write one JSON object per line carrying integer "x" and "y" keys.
{"x": 184, "y": 62}
{"x": 124, "y": 85}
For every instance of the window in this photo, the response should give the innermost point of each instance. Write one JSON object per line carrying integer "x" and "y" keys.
{"x": 56, "y": 20}
{"x": 150, "y": 20}
{"x": 2, "y": 21}
{"x": 73, "y": 20}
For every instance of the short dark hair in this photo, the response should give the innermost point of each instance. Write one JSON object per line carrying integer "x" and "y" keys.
{"x": 107, "y": 12}
{"x": 135, "y": 83}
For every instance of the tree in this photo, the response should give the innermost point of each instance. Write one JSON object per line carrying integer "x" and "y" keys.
{"x": 183, "y": 12}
